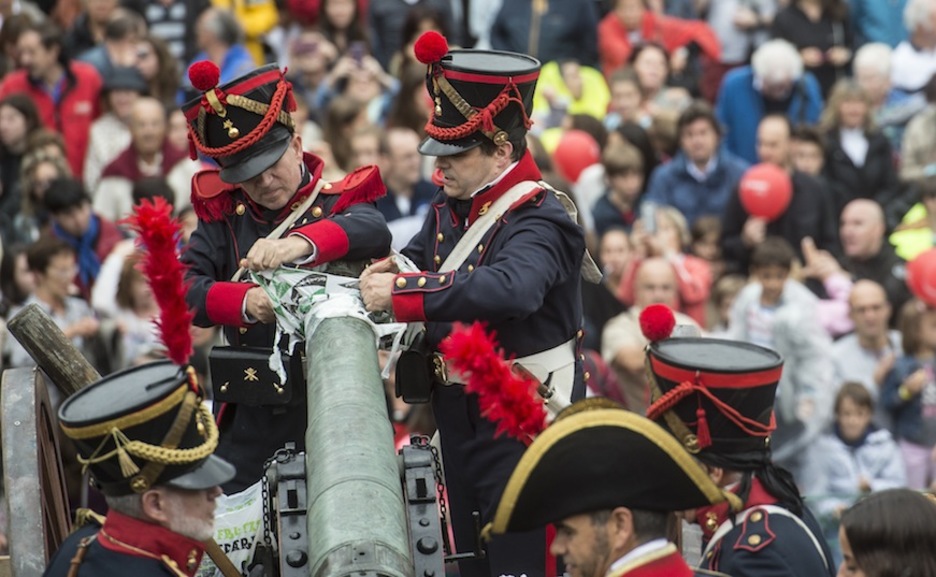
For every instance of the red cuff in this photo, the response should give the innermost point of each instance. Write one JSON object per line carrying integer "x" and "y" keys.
{"x": 225, "y": 303}
{"x": 329, "y": 238}
{"x": 408, "y": 306}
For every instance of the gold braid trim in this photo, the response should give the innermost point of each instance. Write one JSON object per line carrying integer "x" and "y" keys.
{"x": 131, "y": 420}
{"x": 680, "y": 430}
{"x": 159, "y": 454}
{"x": 462, "y": 105}
{"x": 259, "y": 108}
{"x": 152, "y": 470}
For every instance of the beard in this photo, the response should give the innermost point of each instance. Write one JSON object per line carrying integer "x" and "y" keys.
{"x": 188, "y": 525}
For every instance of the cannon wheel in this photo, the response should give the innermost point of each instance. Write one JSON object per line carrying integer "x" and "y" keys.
{"x": 34, "y": 483}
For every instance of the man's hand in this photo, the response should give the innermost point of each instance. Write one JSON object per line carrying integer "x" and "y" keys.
{"x": 376, "y": 284}
{"x": 838, "y": 55}
{"x": 754, "y": 231}
{"x": 819, "y": 264}
{"x": 259, "y": 306}
{"x": 268, "y": 254}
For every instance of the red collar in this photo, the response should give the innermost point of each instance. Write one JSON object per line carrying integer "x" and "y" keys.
{"x": 123, "y": 534}
{"x": 711, "y": 518}
{"x": 526, "y": 169}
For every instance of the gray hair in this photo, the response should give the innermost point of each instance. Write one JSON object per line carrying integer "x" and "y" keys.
{"x": 777, "y": 60}
{"x": 876, "y": 56}
{"x": 223, "y": 25}
{"x": 917, "y": 15}
{"x": 129, "y": 505}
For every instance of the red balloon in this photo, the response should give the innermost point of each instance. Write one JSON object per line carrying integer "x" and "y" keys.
{"x": 765, "y": 191}
{"x": 921, "y": 277}
{"x": 576, "y": 151}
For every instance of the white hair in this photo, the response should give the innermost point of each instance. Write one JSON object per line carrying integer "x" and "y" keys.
{"x": 777, "y": 60}
{"x": 917, "y": 15}
{"x": 876, "y": 56}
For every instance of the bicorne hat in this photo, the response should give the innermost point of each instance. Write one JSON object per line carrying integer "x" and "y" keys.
{"x": 594, "y": 458}
{"x": 145, "y": 426}
{"x": 476, "y": 94}
{"x": 244, "y": 125}
{"x": 715, "y": 396}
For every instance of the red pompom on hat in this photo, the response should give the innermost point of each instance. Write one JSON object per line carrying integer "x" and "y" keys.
{"x": 204, "y": 75}
{"x": 430, "y": 47}
{"x": 657, "y": 322}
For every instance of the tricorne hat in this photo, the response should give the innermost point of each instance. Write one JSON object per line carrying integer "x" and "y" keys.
{"x": 594, "y": 457}
{"x": 715, "y": 396}
{"x": 477, "y": 95}
{"x": 145, "y": 426}
{"x": 244, "y": 125}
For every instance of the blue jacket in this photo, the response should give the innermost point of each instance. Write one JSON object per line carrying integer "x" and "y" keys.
{"x": 908, "y": 415}
{"x": 878, "y": 21}
{"x": 672, "y": 185}
{"x": 740, "y": 108}
{"x": 834, "y": 469}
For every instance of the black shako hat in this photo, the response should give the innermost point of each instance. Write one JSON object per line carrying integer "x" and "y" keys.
{"x": 145, "y": 426}
{"x": 477, "y": 95}
{"x": 600, "y": 458}
{"x": 244, "y": 125}
{"x": 715, "y": 396}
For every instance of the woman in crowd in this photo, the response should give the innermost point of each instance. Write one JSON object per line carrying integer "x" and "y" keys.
{"x": 420, "y": 18}
{"x": 859, "y": 161}
{"x": 159, "y": 69}
{"x": 821, "y": 30}
{"x": 651, "y": 64}
{"x": 18, "y": 120}
{"x": 889, "y": 534}
{"x": 39, "y": 168}
{"x": 341, "y": 23}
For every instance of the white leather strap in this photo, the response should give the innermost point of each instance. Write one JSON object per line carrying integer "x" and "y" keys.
{"x": 477, "y": 230}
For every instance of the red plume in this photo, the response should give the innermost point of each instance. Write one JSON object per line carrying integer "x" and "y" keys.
{"x": 159, "y": 237}
{"x": 430, "y": 47}
{"x": 204, "y": 75}
{"x": 506, "y": 398}
{"x": 657, "y": 322}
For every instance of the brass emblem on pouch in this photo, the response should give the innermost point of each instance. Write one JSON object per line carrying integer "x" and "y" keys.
{"x": 250, "y": 374}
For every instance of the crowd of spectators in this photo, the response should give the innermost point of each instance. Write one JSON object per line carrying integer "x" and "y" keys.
{"x": 677, "y": 98}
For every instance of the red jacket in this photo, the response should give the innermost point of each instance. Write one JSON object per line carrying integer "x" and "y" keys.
{"x": 614, "y": 44}
{"x": 77, "y": 109}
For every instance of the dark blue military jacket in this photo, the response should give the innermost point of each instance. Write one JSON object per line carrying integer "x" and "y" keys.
{"x": 126, "y": 546}
{"x": 767, "y": 544}
{"x": 342, "y": 223}
{"x": 522, "y": 279}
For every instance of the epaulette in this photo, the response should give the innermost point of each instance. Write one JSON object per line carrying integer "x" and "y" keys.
{"x": 361, "y": 185}
{"x": 755, "y": 532}
{"x": 211, "y": 198}
{"x": 88, "y": 517}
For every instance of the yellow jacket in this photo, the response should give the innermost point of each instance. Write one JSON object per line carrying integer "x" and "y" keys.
{"x": 256, "y": 17}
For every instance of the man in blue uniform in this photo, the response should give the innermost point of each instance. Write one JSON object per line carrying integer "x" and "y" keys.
{"x": 614, "y": 524}
{"x": 717, "y": 397}
{"x": 264, "y": 181}
{"x": 147, "y": 440}
{"x": 496, "y": 247}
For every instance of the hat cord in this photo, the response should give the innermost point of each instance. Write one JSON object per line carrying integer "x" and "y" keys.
{"x": 669, "y": 399}
{"x": 271, "y": 116}
{"x": 155, "y": 453}
{"x": 481, "y": 119}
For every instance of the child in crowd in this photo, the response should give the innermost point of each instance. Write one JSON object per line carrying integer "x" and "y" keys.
{"x": 617, "y": 207}
{"x": 626, "y": 99}
{"x": 706, "y": 243}
{"x": 807, "y": 148}
{"x": 910, "y": 394}
{"x": 854, "y": 458}
{"x": 724, "y": 293}
{"x": 851, "y": 460}
{"x": 778, "y": 312}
